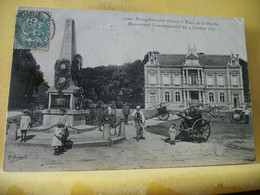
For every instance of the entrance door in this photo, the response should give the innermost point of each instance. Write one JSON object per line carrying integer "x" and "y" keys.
{"x": 194, "y": 96}
{"x": 152, "y": 99}
{"x": 236, "y": 101}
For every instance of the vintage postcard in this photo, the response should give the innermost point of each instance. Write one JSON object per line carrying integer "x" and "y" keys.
{"x": 105, "y": 90}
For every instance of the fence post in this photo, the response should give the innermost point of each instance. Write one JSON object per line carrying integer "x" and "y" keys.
{"x": 115, "y": 130}
{"x": 12, "y": 133}
{"x": 107, "y": 133}
{"x": 121, "y": 131}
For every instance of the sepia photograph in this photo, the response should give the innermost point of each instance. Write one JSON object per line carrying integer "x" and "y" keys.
{"x": 106, "y": 90}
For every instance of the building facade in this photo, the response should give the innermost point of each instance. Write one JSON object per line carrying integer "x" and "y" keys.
{"x": 185, "y": 80}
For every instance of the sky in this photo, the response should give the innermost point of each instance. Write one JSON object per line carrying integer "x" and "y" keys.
{"x": 106, "y": 38}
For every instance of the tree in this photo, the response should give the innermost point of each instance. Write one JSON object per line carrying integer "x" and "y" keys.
{"x": 26, "y": 77}
{"x": 245, "y": 80}
{"x": 42, "y": 95}
{"x": 115, "y": 83}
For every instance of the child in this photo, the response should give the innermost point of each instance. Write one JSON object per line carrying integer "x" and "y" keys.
{"x": 64, "y": 119}
{"x": 57, "y": 138}
{"x": 172, "y": 133}
{"x": 24, "y": 124}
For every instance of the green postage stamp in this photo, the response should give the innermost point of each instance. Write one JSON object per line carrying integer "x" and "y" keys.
{"x": 32, "y": 30}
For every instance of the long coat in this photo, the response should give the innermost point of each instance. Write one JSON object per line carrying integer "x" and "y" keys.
{"x": 126, "y": 110}
{"x": 56, "y": 140}
{"x": 25, "y": 122}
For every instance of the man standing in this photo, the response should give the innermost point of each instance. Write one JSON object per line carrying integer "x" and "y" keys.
{"x": 139, "y": 122}
{"x": 126, "y": 112}
{"x": 64, "y": 119}
{"x": 25, "y": 124}
{"x": 172, "y": 134}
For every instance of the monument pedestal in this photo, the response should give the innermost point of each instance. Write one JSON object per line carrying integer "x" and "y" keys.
{"x": 63, "y": 100}
{"x": 75, "y": 117}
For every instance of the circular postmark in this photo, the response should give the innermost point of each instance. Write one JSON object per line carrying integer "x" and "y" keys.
{"x": 33, "y": 30}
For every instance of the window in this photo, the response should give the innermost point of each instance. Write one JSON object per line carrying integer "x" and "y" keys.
{"x": 193, "y": 79}
{"x": 152, "y": 78}
{"x": 234, "y": 80}
{"x": 152, "y": 98}
{"x": 220, "y": 80}
{"x": 177, "y": 79}
{"x": 166, "y": 79}
{"x": 222, "y": 97}
{"x": 177, "y": 96}
{"x": 166, "y": 96}
{"x": 233, "y": 62}
{"x": 210, "y": 80}
{"x": 211, "y": 97}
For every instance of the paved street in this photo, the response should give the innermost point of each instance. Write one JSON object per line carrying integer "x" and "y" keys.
{"x": 228, "y": 143}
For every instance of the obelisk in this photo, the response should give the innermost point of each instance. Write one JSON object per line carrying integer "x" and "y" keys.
{"x": 63, "y": 67}
{"x": 68, "y": 48}
{"x": 63, "y": 93}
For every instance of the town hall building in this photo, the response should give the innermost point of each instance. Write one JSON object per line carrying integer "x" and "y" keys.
{"x": 188, "y": 79}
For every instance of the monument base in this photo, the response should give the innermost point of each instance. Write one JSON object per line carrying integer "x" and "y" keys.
{"x": 75, "y": 117}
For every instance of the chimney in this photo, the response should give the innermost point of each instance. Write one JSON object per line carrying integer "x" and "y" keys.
{"x": 237, "y": 57}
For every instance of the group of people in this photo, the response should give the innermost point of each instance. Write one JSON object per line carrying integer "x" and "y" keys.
{"x": 61, "y": 132}
{"x": 139, "y": 120}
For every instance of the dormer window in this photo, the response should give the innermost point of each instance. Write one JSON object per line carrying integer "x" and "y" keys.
{"x": 233, "y": 62}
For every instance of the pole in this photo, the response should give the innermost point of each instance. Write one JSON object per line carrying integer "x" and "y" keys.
{"x": 107, "y": 133}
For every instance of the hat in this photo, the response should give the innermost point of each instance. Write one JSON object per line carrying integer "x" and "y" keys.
{"x": 138, "y": 107}
{"x": 60, "y": 124}
{"x": 25, "y": 111}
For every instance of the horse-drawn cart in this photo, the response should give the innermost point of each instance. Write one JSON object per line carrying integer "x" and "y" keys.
{"x": 240, "y": 116}
{"x": 162, "y": 112}
{"x": 193, "y": 127}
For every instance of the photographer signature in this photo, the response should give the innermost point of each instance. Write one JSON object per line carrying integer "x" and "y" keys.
{"x": 13, "y": 158}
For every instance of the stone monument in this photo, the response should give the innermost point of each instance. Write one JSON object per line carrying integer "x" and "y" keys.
{"x": 66, "y": 92}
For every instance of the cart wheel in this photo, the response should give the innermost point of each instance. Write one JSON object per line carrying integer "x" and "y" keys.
{"x": 200, "y": 130}
{"x": 163, "y": 116}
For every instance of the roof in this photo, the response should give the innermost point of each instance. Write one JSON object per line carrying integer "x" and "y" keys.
{"x": 170, "y": 59}
{"x": 206, "y": 60}
{"x": 214, "y": 60}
